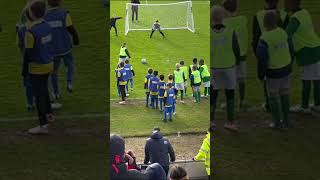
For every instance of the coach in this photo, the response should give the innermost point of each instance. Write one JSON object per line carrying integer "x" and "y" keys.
{"x": 134, "y": 8}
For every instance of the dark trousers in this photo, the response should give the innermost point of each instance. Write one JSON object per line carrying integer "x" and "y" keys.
{"x": 123, "y": 92}
{"x": 134, "y": 12}
{"x": 166, "y": 169}
{"x": 41, "y": 94}
{"x": 152, "y": 31}
{"x": 115, "y": 29}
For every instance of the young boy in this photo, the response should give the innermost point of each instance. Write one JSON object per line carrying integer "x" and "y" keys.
{"x": 21, "y": 32}
{"x": 162, "y": 89}
{"x": 194, "y": 63}
{"x": 169, "y": 99}
{"x": 239, "y": 24}
{"x": 154, "y": 89}
{"x": 116, "y": 72}
{"x": 62, "y": 31}
{"x": 274, "y": 55}
{"x": 173, "y": 84}
{"x": 123, "y": 79}
{"x": 258, "y": 29}
{"x": 186, "y": 75}
{"x": 38, "y": 63}
{"x": 128, "y": 67}
{"x": 307, "y": 53}
{"x": 205, "y": 75}
{"x": 146, "y": 85}
{"x": 156, "y": 27}
{"x": 195, "y": 80}
{"x": 178, "y": 78}
{"x": 224, "y": 53}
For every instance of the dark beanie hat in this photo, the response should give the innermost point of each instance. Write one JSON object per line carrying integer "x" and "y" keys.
{"x": 117, "y": 146}
{"x": 155, "y": 172}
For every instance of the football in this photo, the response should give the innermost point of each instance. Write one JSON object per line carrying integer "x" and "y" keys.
{"x": 143, "y": 61}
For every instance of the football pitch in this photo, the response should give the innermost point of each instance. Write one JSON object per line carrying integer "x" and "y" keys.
{"x": 161, "y": 54}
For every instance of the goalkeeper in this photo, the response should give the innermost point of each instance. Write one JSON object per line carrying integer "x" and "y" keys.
{"x": 155, "y": 27}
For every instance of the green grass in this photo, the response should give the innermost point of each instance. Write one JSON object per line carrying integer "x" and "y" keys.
{"x": 162, "y": 54}
{"x": 258, "y": 152}
{"x": 90, "y": 59}
{"x": 75, "y": 148}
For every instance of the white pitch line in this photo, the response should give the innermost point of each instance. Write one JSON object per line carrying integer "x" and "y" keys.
{"x": 81, "y": 116}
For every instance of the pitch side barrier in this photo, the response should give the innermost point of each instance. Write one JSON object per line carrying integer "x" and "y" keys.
{"x": 195, "y": 169}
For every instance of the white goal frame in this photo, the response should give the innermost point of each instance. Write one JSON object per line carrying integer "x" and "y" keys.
{"x": 189, "y": 26}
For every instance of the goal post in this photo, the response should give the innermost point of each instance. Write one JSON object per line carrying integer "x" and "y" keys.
{"x": 171, "y": 16}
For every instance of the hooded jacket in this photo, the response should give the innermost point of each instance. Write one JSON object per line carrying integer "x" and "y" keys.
{"x": 158, "y": 149}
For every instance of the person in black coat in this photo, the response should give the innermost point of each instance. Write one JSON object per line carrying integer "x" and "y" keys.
{"x": 118, "y": 166}
{"x": 158, "y": 149}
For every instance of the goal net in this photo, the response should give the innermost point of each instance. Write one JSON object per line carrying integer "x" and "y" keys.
{"x": 171, "y": 16}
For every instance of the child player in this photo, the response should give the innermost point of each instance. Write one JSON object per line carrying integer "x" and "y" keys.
{"x": 195, "y": 80}
{"x": 123, "y": 79}
{"x": 205, "y": 75}
{"x": 224, "y": 53}
{"x": 162, "y": 89}
{"x": 258, "y": 29}
{"x": 274, "y": 63}
{"x": 169, "y": 98}
{"x": 173, "y": 84}
{"x": 154, "y": 89}
{"x": 194, "y": 63}
{"x": 178, "y": 78}
{"x": 307, "y": 53}
{"x": 21, "y": 31}
{"x": 185, "y": 70}
{"x": 239, "y": 24}
{"x": 116, "y": 71}
{"x": 38, "y": 63}
{"x": 130, "y": 71}
{"x": 60, "y": 21}
{"x": 146, "y": 85}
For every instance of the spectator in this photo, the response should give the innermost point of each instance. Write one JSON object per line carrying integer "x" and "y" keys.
{"x": 178, "y": 173}
{"x": 155, "y": 172}
{"x": 117, "y": 163}
{"x": 134, "y": 8}
{"x": 158, "y": 149}
{"x": 131, "y": 159}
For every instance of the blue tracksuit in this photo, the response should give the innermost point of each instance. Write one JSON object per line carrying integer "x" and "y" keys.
{"x": 162, "y": 89}
{"x": 154, "y": 91}
{"x": 169, "y": 102}
{"x": 62, "y": 45}
{"x": 128, "y": 68}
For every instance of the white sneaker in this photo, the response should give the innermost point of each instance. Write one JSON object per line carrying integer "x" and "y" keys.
{"x": 122, "y": 103}
{"x": 299, "y": 109}
{"x": 182, "y": 102}
{"x": 56, "y": 105}
{"x": 174, "y": 113}
{"x": 127, "y": 94}
{"x": 39, "y": 130}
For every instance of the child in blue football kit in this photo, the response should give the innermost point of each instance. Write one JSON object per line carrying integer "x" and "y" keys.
{"x": 128, "y": 67}
{"x": 62, "y": 30}
{"x": 170, "y": 81}
{"x": 154, "y": 89}
{"x": 146, "y": 85}
{"x": 169, "y": 99}
{"x": 162, "y": 89}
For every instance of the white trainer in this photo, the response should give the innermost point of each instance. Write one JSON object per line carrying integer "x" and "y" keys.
{"x": 39, "y": 130}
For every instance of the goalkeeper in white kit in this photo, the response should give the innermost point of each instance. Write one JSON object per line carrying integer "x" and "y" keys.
{"x": 155, "y": 27}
